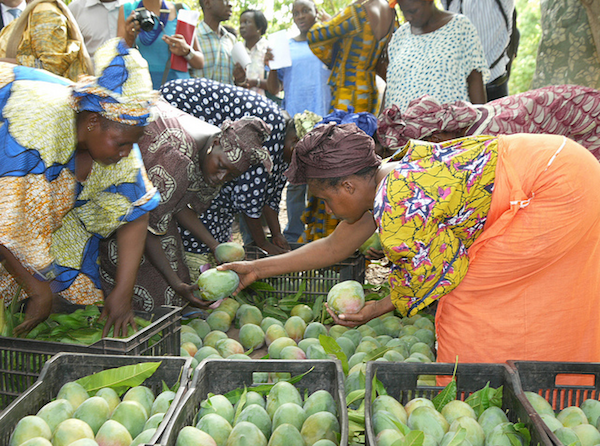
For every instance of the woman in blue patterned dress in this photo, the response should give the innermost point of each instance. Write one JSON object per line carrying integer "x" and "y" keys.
{"x": 72, "y": 174}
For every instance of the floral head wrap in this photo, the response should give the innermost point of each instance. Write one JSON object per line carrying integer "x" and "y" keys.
{"x": 242, "y": 141}
{"x": 332, "y": 151}
{"x": 422, "y": 118}
{"x": 122, "y": 89}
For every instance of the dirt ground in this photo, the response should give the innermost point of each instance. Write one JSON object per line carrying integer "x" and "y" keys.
{"x": 376, "y": 274}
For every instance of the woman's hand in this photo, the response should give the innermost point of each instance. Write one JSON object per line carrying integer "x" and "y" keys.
{"x": 239, "y": 74}
{"x": 322, "y": 16}
{"x": 186, "y": 291}
{"x": 39, "y": 306}
{"x": 272, "y": 249}
{"x": 118, "y": 313}
{"x": 374, "y": 254}
{"x": 371, "y": 310}
{"x": 269, "y": 56}
{"x": 177, "y": 45}
{"x": 245, "y": 270}
{"x": 280, "y": 241}
{"x": 130, "y": 29}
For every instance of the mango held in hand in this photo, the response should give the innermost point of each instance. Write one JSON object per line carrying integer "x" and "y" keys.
{"x": 229, "y": 252}
{"x": 372, "y": 242}
{"x": 346, "y": 297}
{"x": 214, "y": 284}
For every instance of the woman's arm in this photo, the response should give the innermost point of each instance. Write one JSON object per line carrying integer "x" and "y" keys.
{"x": 272, "y": 219}
{"x": 476, "y": 88}
{"x": 188, "y": 219}
{"x": 273, "y": 84}
{"x": 338, "y": 246}
{"x": 371, "y": 310}
{"x": 258, "y": 234}
{"x": 39, "y": 292}
{"x": 179, "y": 47}
{"x": 118, "y": 311}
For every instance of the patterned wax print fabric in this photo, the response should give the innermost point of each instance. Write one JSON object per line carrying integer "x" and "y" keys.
{"x": 215, "y": 102}
{"x": 170, "y": 155}
{"x": 256, "y": 69}
{"x": 347, "y": 45}
{"x": 216, "y": 48}
{"x": 566, "y": 53}
{"x": 41, "y": 196}
{"x": 47, "y": 36}
{"x": 157, "y": 54}
{"x": 532, "y": 288}
{"x": 569, "y": 110}
{"x": 437, "y": 63}
{"x": 305, "y": 82}
{"x": 429, "y": 210}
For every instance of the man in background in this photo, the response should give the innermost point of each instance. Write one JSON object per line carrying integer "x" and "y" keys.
{"x": 97, "y": 20}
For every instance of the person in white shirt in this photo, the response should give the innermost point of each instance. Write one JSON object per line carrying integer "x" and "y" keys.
{"x": 11, "y": 9}
{"x": 97, "y": 20}
{"x": 494, "y": 21}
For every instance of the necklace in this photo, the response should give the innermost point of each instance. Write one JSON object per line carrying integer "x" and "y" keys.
{"x": 147, "y": 38}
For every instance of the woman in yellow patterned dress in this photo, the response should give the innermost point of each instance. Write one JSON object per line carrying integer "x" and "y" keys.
{"x": 46, "y": 36}
{"x": 504, "y": 232}
{"x": 71, "y": 174}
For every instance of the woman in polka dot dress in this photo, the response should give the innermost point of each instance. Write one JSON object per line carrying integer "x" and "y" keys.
{"x": 253, "y": 194}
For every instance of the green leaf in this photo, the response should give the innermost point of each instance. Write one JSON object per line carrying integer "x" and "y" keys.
{"x": 485, "y": 398}
{"x": 449, "y": 392}
{"x": 331, "y": 347}
{"x": 414, "y": 438}
{"x": 457, "y": 437}
{"x": 165, "y": 387}
{"x": 357, "y": 416}
{"x": 377, "y": 353}
{"x": 524, "y": 432}
{"x": 264, "y": 389}
{"x": 120, "y": 378}
{"x": 241, "y": 404}
{"x": 261, "y": 286}
{"x": 355, "y": 395}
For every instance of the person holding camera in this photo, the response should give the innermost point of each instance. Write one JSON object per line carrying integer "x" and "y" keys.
{"x": 150, "y": 26}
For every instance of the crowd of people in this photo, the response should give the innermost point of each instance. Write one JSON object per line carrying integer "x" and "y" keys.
{"x": 130, "y": 146}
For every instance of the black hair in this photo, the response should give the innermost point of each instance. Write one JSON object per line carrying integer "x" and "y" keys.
{"x": 231, "y": 29}
{"x": 259, "y": 20}
{"x": 365, "y": 172}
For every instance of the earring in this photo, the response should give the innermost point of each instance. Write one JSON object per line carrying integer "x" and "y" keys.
{"x": 90, "y": 127}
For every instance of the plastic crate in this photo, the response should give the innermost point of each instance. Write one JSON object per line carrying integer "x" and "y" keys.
{"x": 66, "y": 367}
{"x": 317, "y": 282}
{"x": 220, "y": 376}
{"x": 541, "y": 377}
{"x": 400, "y": 382}
{"x": 21, "y": 360}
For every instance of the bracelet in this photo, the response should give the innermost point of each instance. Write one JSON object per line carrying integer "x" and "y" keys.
{"x": 189, "y": 56}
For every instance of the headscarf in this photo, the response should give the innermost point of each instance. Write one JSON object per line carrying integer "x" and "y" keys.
{"x": 242, "y": 141}
{"x": 365, "y": 121}
{"x": 422, "y": 118}
{"x": 122, "y": 89}
{"x": 304, "y": 122}
{"x": 332, "y": 151}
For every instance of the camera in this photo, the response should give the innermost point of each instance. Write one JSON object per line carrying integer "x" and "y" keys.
{"x": 146, "y": 19}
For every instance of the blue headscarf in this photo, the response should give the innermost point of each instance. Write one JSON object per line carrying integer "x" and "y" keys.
{"x": 365, "y": 121}
{"x": 122, "y": 89}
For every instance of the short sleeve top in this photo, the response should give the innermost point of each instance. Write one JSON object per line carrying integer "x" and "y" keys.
{"x": 437, "y": 63}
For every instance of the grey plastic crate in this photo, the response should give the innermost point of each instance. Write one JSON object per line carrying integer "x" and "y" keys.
{"x": 66, "y": 367}
{"x": 21, "y": 360}
{"x": 541, "y": 377}
{"x": 317, "y": 282}
{"x": 400, "y": 382}
{"x": 220, "y": 376}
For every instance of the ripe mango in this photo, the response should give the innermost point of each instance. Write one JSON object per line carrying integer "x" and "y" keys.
{"x": 214, "y": 284}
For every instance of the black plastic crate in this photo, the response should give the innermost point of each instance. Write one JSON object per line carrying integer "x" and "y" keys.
{"x": 220, "y": 376}
{"x": 21, "y": 360}
{"x": 317, "y": 282}
{"x": 541, "y": 377}
{"x": 400, "y": 382}
{"x": 66, "y": 367}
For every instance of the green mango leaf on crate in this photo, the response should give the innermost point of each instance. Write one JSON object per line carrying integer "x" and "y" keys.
{"x": 413, "y": 438}
{"x": 448, "y": 394}
{"x": 485, "y": 398}
{"x": 377, "y": 353}
{"x": 119, "y": 378}
{"x": 241, "y": 404}
{"x": 331, "y": 347}
{"x": 355, "y": 395}
{"x": 378, "y": 388}
{"x": 521, "y": 429}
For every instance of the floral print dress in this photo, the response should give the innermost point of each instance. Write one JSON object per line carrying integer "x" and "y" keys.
{"x": 429, "y": 210}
